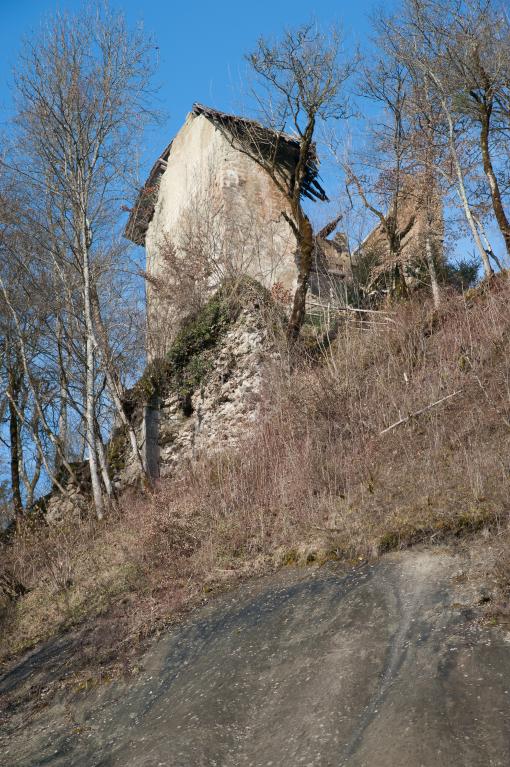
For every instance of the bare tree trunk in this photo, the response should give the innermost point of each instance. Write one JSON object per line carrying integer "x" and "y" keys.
{"x": 306, "y": 246}
{"x": 31, "y": 484}
{"x": 115, "y": 387}
{"x": 488, "y": 247}
{"x": 469, "y": 218}
{"x": 304, "y": 233}
{"x": 429, "y": 255}
{"x": 399, "y": 287}
{"x": 497, "y": 204}
{"x": 103, "y": 463}
{"x": 89, "y": 428}
{"x": 23, "y": 356}
{"x": 90, "y": 414}
{"x": 15, "y": 444}
{"x": 37, "y": 440}
{"x": 62, "y": 416}
{"x": 126, "y": 423}
{"x": 462, "y": 192}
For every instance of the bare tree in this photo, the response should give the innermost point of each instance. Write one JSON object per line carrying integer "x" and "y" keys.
{"x": 20, "y": 310}
{"x": 476, "y": 36}
{"x": 300, "y": 84}
{"x": 383, "y": 183}
{"x": 417, "y": 38}
{"x": 427, "y": 147}
{"x": 12, "y": 399}
{"x": 10, "y": 370}
{"x": 82, "y": 90}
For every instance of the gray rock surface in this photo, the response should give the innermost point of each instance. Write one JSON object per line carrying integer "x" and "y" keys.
{"x": 383, "y": 666}
{"x": 222, "y": 410}
{"x": 225, "y": 408}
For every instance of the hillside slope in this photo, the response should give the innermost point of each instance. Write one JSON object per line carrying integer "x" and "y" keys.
{"x": 396, "y": 434}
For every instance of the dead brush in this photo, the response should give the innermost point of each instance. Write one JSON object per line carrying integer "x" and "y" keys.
{"x": 49, "y": 551}
{"x": 318, "y": 461}
{"x": 320, "y": 476}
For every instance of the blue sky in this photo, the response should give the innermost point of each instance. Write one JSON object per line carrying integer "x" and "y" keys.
{"x": 201, "y": 44}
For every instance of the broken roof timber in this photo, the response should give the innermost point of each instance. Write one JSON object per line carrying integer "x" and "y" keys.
{"x": 251, "y": 137}
{"x": 143, "y": 210}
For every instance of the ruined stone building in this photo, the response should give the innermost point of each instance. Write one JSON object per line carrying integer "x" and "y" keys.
{"x": 209, "y": 209}
{"x": 415, "y": 206}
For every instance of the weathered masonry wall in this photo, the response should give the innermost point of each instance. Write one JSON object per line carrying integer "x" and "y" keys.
{"x": 412, "y": 210}
{"x": 214, "y": 198}
{"x": 218, "y": 413}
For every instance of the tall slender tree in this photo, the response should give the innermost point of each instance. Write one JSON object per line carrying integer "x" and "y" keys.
{"x": 83, "y": 88}
{"x": 300, "y": 80}
{"x": 417, "y": 37}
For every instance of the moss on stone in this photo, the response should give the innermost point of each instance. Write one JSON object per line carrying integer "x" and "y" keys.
{"x": 117, "y": 450}
{"x": 191, "y": 356}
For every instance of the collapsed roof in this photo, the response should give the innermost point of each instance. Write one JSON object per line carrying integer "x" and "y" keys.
{"x": 247, "y": 135}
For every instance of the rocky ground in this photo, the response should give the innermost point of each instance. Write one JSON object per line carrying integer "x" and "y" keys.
{"x": 388, "y": 664}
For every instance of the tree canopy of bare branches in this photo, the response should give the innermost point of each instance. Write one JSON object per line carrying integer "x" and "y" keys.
{"x": 82, "y": 90}
{"x": 299, "y": 84}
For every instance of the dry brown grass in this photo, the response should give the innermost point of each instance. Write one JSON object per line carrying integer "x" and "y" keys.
{"x": 316, "y": 479}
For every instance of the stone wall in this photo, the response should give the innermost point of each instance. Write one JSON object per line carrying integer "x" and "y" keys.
{"x": 226, "y": 407}
{"x": 412, "y": 210}
{"x": 221, "y": 409}
{"x": 76, "y": 502}
{"x": 177, "y": 421}
{"x": 214, "y": 201}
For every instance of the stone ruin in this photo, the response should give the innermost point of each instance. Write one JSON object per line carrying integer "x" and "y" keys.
{"x": 203, "y": 181}
{"x": 180, "y": 413}
{"x": 208, "y": 195}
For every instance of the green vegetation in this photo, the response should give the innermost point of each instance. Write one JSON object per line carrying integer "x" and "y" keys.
{"x": 116, "y": 451}
{"x": 191, "y": 356}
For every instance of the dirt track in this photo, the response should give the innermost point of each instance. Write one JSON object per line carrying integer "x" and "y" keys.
{"x": 385, "y": 666}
